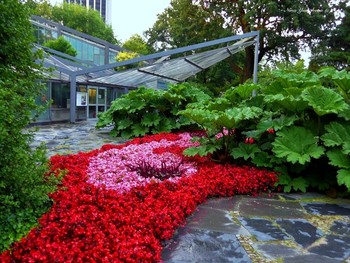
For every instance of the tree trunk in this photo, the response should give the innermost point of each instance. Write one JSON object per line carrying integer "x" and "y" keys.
{"x": 249, "y": 64}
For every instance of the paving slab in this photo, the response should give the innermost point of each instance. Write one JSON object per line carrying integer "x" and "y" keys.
{"x": 333, "y": 246}
{"x": 199, "y": 246}
{"x": 227, "y": 204}
{"x": 327, "y": 209}
{"x": 250, "y": 207}
{"x": 311, "y": 258}
{"x": 276, "y": 251}
{"x": 303, "y": 232}
{"x": 215, "y": 220}
{"x": 263, "y": 229}
{"x": 341, "y": 228}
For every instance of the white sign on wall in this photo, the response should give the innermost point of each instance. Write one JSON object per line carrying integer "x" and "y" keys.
{"x": 81, "y": 98}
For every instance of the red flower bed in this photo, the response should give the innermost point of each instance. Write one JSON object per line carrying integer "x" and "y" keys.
{"x": 92, "y": 224}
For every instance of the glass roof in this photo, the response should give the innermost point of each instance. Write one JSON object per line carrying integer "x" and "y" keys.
{"x": 164, "y": 69}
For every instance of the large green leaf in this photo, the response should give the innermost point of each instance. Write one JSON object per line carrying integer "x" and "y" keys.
{"x": 299, "y": 184}
{"x": 244, "y": 113}
{"x": 277, "y": 123}
{"x": 343, "y": 177}
{"x": 345, "y": 113}
{"x": 340, "y": 78}
{"x": 241, "y": 92}
{"x": 339, "y": 159}
{"x": 123, "y": 124}
{"x": 202, "y": 150}
{"x": 139, "y": 130}
{"x": 324, "y": 101}
{"x": 338, "y": 134}
{"x": 263, "y": 159}
{"x": 245, "y": 151}
{"x": 203, "y": 117}
{"x": 120, "y": 104}
{"x": 287, "y": 102}
{"x": 297, "y": 144}
{"x": 150, "y": 119}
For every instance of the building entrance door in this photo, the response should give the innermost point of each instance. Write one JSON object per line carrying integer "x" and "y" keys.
{"x": 97, "y": 101}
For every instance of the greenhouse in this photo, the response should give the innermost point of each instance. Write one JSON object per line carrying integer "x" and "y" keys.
{"x": 81, "y": 87}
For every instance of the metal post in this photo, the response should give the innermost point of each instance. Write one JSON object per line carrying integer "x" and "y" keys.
{"x": 73, "y": 97}
{"x": 256, "y": 59}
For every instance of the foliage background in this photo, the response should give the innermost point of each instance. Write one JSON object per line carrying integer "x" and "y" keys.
{"x": 24, "y": 187}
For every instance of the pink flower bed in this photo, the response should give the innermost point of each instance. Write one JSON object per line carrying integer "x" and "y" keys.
{"x": 105, "y": 211}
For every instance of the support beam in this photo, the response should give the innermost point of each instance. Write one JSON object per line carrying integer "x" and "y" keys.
{"x": 158, "y": 75}
{"x": 256, "y": 58}
{"x": 256, "y": 61}
{"x": 193, "y": 64}
{"x": 73, "y": 97}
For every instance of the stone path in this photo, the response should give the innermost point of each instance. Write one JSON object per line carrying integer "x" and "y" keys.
{"x": 67, "y": 138}
{"x": 288, "y": 228}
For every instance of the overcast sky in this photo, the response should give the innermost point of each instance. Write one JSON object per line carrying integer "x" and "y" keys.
{"x": 133, "y": 16}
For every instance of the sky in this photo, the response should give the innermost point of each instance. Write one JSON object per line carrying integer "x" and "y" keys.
{"x": 135, "y": 16}
{"x": 129, "y": 17}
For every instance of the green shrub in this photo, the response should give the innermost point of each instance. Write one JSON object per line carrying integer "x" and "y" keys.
{"x": 24, "y": 187}
{"x": 149, "y": 111}
{"x": 297, "y": 124}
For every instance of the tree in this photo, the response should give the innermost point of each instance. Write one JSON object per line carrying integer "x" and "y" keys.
{"x": 137, "y": 44}
{"x": 127, "y": 55}
{"x": 24, "y": 187}
{"x": 80, "y": 18}
{"x": 185, "y": 23}
{"x": 62, "y": 45}
{"x": 335, "y": 50}
{"x": 285, "y": 26}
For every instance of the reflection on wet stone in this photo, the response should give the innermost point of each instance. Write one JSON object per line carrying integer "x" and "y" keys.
{"x": 272, "y": 208}
{"x": 275, "y": 251}
{"x": 341, "y": 228}
{"x": 216, "y": 220}
{"x": 198, "y": 246}
{"x": 336, "y": 247}
{"x": 303, "y": 232}
{"x": 326, "y": 209}
{"x": 310, "y": 258}
{"x": 263, "y": 229}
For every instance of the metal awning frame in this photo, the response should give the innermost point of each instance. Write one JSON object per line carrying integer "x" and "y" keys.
{"x": 247, "y": 39}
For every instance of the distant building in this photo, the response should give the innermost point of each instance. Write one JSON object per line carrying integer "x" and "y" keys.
{"x": 102, "y": 6}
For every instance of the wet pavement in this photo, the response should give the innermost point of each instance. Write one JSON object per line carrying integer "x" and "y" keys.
{"x": 288, "y": 228}
{"x": 68, "y": 138}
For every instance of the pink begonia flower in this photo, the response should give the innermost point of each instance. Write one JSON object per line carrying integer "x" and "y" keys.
{"x": 110, "y": 168}
{"x": 225, "y": 132}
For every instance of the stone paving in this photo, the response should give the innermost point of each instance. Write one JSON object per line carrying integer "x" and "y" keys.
{"x": 279, "y": 228}
{"x": 67, "y": 138}
{"x": 288, "y": 228}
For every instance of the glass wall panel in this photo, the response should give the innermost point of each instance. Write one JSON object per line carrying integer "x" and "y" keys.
{"x": 60, "y": 96}
{"x": 81, "y": 110}
{"x": 43, "y": 101}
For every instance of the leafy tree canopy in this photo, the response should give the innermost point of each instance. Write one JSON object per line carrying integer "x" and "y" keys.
{"x": 137, "y": 44}
{"x": 24, "y": 187}
{"x": 285, "y": 26}
{"x": 62, "y": 45}
{"x": 85, "y": 20}
{"x": 335, "y": 50}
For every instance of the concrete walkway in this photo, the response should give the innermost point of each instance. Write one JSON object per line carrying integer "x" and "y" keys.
{"x": 279, "y": 228}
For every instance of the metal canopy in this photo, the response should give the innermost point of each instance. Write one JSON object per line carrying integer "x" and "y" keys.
{"x": 165, "y": 69}
{"x": 172, "y": 70}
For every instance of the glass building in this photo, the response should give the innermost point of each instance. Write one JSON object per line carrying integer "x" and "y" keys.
{"x": 81, "y": 87}
{"x": 91, "y": 52}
